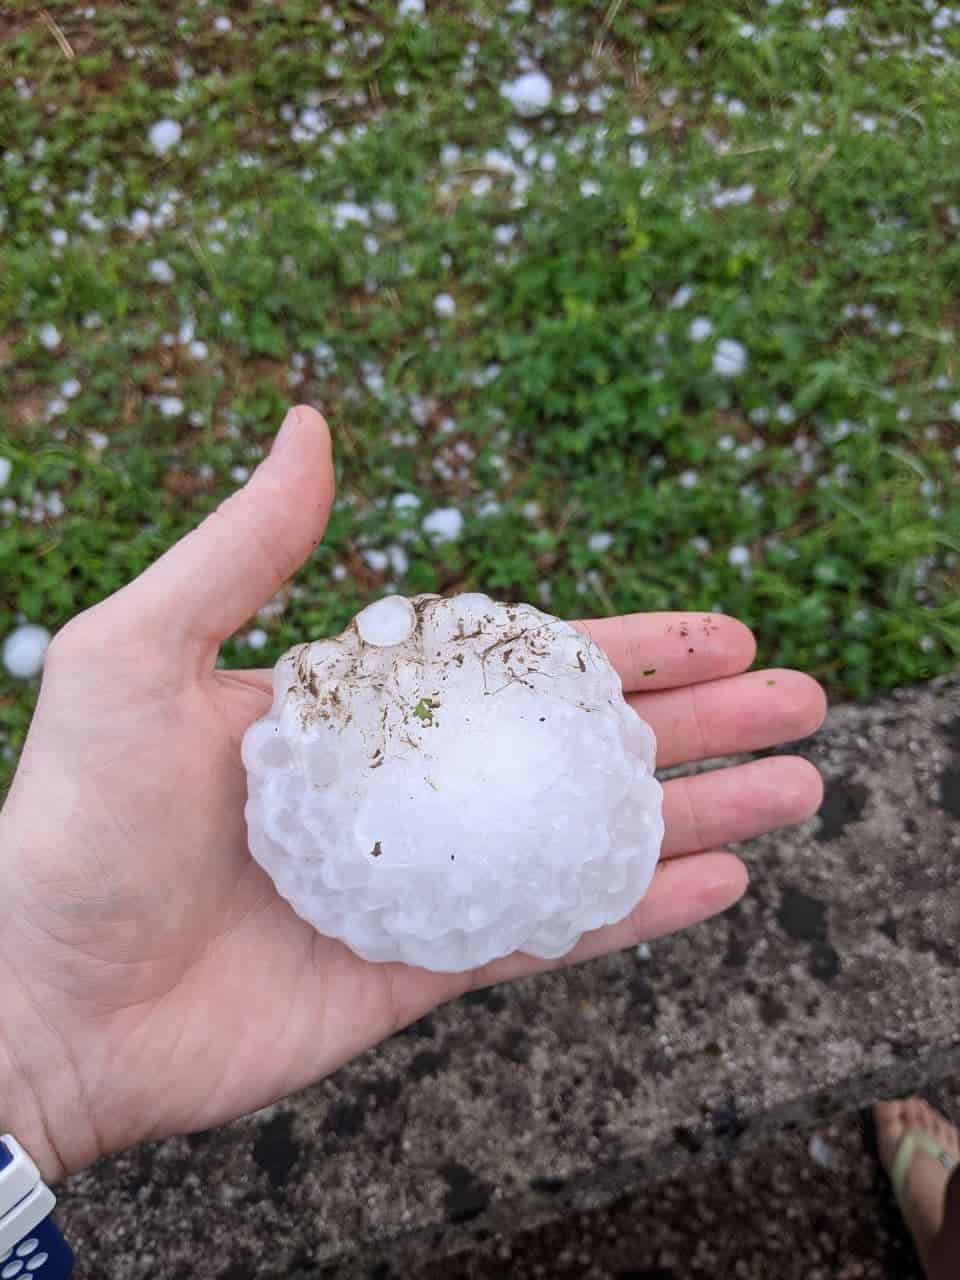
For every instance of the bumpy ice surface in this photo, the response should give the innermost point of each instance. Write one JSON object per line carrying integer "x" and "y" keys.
{"x": 452, "y": 780}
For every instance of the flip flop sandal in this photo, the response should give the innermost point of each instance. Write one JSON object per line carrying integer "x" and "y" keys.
{"x": 912, "y": 1141}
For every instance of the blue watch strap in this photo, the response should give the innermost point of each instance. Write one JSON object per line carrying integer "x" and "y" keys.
{"x": 30, "y": 1244}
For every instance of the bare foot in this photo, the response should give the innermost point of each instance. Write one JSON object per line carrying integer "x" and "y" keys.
{"x": 926, "y": 1176}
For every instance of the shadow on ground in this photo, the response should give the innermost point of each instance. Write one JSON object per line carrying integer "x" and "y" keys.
{"x": 810, "y": 1207}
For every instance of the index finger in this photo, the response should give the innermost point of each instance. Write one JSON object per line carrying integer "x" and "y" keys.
{"x": 668, "y": 650}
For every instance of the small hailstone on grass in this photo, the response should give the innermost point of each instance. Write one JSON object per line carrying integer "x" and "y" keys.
{"x": 70, "y": 389}
{"x": 170, "y": 406}
{"x": 409, "y": 8}
{"x": 256, "y": 639}
{"x": 405, "y": 502}
{"x": 687, "y": 479}
{"x": 324, "y": 358}
{"x": 402, "y": 809}
{"x": 348, "y": 211}
{"x": 836, "y": 18}
{"x": 729, "y": 358}
{"x": 49, "y": 336}
{"x": 444, "y": 304}
{"x": 444, "y": 525}
{"x": 738, "y": 556}
{"x": 98, "y": 440}
{"x": 700, "y": 329}
{"x": 378, "y": 561}
{"x": 600, "y": 542}
{"x": 399, "y": 560}
{"x": 58, "y": 237}
{"x": 161, "y": 271}
{"x": 529, "y": 94}
{"x": 24, "y": 650}
{"x": 589, "y": 188}
{"x": 222, "y": 23}
{"x": 6, "y": 466}
{"x": 373, "y": 378}
{"x": 681, "y": 297}
{"x": 163, "y": 135}
{"x": 638, "y": 155}
{"x": 733, "y": 196}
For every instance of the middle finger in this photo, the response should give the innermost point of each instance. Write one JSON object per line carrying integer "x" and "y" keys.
{"x": 727, "y": 717}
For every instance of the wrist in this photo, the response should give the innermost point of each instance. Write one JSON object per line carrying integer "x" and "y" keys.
{"x": 21, "y": 1111}
{"x": 41, "y": 1099}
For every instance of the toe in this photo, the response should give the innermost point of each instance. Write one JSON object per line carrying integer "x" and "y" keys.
{"x": 888, "y": 1117}
{"x": 913, "y": 1114}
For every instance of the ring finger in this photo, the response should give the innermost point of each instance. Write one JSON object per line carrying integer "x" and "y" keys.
{"x": 709, "y": 810}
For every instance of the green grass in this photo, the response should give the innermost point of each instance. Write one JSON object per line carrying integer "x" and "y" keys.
{"x": 564, "y": 397}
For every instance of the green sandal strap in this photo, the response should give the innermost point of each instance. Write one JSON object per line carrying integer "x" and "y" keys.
{"x": 910, "y": 1143}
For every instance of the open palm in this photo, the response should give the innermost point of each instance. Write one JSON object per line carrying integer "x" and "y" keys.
{"x": 153, "y": 980}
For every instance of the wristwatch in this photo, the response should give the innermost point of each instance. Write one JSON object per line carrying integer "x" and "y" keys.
{"x": 30, "y": 1244}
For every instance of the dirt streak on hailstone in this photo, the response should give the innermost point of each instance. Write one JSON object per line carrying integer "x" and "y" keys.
{"x": 451, "y": 780}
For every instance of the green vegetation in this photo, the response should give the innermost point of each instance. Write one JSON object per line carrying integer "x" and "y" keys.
{"x": 496, "y": 313}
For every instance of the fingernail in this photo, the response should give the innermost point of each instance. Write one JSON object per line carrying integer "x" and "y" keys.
{"x": 287, "y": 429}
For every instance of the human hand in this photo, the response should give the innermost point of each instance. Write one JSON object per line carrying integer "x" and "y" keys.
{"x": 151, "y": 979}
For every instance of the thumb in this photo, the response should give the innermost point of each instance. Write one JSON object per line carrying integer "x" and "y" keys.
{"x": 210, "y": 582}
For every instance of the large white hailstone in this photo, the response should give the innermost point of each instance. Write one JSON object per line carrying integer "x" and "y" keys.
{"x": 453, "y": 780}
{"x": 24, "y": 650}
{"x": 529, "y": 94}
